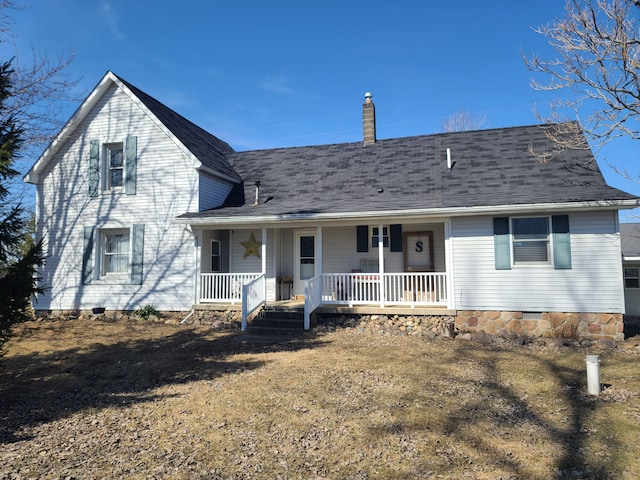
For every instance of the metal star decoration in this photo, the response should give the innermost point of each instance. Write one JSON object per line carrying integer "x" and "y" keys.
{"x": 252, "y": 247}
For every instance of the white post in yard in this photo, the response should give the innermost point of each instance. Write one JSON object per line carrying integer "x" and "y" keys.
{"x": 593, "y": 374}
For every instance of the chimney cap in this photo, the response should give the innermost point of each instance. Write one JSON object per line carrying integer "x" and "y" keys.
{"x": 368, "y": 96}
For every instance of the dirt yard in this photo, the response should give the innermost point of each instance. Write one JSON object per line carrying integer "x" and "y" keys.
{"x": 85, "y": 399}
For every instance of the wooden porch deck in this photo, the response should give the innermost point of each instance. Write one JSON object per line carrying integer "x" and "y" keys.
{"x": 335, "y": 309}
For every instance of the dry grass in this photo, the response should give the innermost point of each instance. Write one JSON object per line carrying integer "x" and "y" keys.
{"x": 97, "y": 400}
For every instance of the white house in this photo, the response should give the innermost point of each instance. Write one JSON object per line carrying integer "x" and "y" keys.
{"x": 498, "y": 228}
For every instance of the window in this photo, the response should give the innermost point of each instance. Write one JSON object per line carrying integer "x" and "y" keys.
{"x": 375, "y": 232}
{"x": 215, "y": 256}
{"x": 113, "y": 255}
{"x": 530, "y": 240}
{"x": 115, "y": 250}
{"x": 632, "y": 277}
{"x": 115, "y": 166}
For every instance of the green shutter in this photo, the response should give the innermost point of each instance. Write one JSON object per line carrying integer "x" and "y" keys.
{"x": 94, "y": 168}
{"x": 395, "y": 238}
{"x": 561, "y": 242}
{"x": 502, "y": 243}
{"x": 362, "y": 233}
{"x": 130, "y": 164}
{"x": 87, "y": 249}
{"x": 137, "y": 253}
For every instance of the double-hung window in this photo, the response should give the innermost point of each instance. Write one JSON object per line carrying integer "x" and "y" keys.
{"x": 115, "y": 252}
{"x": 531, "y": 241}
{"x": 113, "y": 255}
{"x": 375, "y": 235}
{"x": 113, "y": 166}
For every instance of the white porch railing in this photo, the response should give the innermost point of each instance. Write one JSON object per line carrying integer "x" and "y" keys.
{"x": 223, "y": 287}
{"x": 253, "y": 297}
{"x": 312, "y": 298}
{"x": 412, "y": 289}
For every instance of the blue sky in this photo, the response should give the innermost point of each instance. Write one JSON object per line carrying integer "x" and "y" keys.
{"x": 285, "y": 73}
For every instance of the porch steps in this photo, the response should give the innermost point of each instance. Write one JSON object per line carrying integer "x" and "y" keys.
{"x": 275, "y": 324}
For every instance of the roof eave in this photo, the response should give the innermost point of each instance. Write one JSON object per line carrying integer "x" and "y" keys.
{"x": 33, "y": 175}
{"x": 411, "y": 213}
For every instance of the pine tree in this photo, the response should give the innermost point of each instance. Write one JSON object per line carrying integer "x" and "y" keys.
{"x": 18, "y": 266}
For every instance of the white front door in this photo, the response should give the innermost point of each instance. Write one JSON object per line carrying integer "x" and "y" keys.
{"x": 305, "y": 259}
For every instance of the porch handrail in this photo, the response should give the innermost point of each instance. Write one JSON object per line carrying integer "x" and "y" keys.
{"x": 404, "y": 288}
{"x": 223, "y": 287}
{"x": 312, "y": 298}
{"x": 253, "y": 297}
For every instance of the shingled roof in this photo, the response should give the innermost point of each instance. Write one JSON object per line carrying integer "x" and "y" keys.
{"x": 209, "y": 149}
{"x": 498, "y": 167}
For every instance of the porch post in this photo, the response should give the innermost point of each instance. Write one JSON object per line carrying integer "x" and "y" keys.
{"x": 263, "y": 250}
{"x": 264, "y": 259}
{"x": 381, "y": 264}
{"x": 448, "y": 256}
{"x": 197, "y": 242}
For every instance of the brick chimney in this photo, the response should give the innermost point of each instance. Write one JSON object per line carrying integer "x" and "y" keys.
{"x": 368, "y": 120}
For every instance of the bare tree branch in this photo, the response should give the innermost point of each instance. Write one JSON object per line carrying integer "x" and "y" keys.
{"x": 597, "y": 46}
{"x": 463, "y": 121}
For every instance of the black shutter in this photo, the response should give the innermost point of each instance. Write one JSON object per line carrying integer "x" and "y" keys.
{"x": 395, "y": 238}
{"x": 362, "y": 233}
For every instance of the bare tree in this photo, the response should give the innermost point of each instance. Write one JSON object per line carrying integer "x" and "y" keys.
{"x": 597, "y": 46}
{"x": 41, "y": 90}
{"x": 463, "y": 121}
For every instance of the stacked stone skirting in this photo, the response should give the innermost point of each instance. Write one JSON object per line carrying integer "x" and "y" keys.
{"x": 550, "y": 324}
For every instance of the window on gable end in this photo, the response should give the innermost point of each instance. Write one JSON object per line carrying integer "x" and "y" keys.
{"x": 114, "y": 166}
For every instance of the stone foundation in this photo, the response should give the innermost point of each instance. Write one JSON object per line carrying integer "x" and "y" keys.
{"x": 550, "y": 324}
{"x": 429, "y": 326}
{"x": 221, "y": 319}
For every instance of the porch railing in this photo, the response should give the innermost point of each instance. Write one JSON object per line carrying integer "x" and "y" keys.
{"x": 253, "y": 297}
{"x": 223, "y": 287}
{"x": 412, "y": 289}
{"x": 312, "y": 298}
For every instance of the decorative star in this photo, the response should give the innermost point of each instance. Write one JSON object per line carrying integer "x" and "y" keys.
{"x": 252, "y": 247}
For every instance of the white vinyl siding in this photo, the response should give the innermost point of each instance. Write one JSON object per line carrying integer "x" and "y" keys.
{"x": 166, "y": 187}
{"x": 212, "y": 192}
{"x": 593, "y": 284}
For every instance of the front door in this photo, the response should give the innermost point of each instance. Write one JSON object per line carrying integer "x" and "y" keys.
{"x": 305, "y": 259}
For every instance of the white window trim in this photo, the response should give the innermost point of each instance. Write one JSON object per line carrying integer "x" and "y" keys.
{"x": 106, "y": 167}
{"x": 385, "y": 236}
{"x": 512, "y": 240}
{"x": 102, "y": 245}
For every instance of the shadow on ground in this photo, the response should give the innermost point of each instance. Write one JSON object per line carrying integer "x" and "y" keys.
{"x": 39, "y": 388}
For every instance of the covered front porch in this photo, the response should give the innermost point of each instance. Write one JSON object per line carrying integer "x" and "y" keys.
{"x": 381, "y": 266}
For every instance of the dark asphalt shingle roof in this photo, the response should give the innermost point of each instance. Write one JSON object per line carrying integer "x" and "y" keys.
{"x": 491, "y": 168}
{"x": 630, "y": 239}
{"x": 209, "y": 149}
